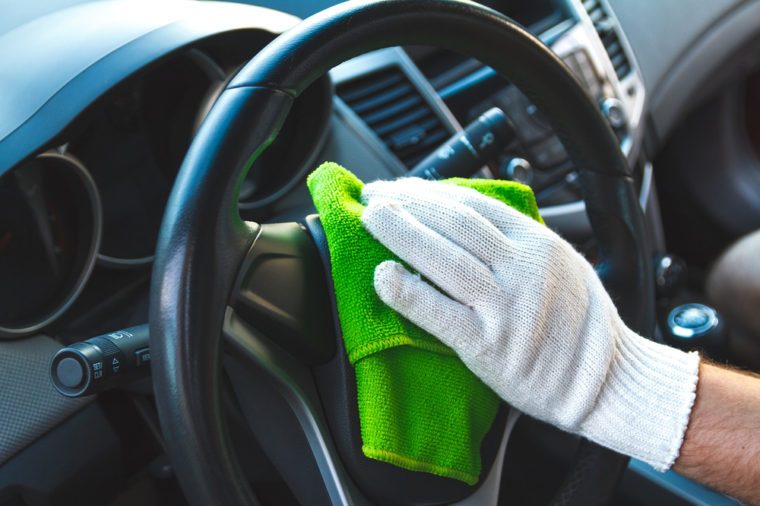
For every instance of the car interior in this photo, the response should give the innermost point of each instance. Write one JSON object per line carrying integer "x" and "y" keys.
{"x": 168, "y": 326}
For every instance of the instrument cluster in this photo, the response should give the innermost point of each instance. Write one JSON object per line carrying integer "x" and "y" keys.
{"x": 98, "y": 198}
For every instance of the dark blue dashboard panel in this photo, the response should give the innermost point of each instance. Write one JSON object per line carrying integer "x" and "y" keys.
{"x": 56, "y": 66}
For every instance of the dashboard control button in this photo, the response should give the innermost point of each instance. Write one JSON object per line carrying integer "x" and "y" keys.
{"x": 519, "y": 169}
{"x": 697, "y": 326}
{"x": 670, "y": 275}
{"x": 613, "y": 110}
{"x": 689, "y": 321}
{"x": 467, "y": 151}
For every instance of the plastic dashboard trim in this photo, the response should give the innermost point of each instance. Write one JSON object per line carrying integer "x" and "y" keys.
{"x": 94, "y": 200}
{"x": 193, "y": 21}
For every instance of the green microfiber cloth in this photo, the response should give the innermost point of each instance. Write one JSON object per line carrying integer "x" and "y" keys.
{"x": 420, "y": 408}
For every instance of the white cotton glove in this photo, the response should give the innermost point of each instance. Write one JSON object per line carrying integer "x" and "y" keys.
{"x": 529, "y": 316}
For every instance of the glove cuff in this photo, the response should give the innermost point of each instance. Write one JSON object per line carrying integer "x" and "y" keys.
{"x": 644, "y": 405}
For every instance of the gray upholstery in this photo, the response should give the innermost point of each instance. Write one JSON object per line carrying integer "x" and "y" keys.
{"x": 29, "y": 404}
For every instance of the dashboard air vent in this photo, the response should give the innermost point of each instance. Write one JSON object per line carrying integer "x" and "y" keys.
{"x": 604, "y": 27}
{"x": 393, "y": 108}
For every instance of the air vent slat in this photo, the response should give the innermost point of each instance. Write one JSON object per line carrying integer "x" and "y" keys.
{"x": 428, "y": 125}
{"x": 362, "y": 89}
{"x": 394, "y": 109}
{"x": 623, "y": 70}
{"x": 402, "y": 121}
{"x": 604, "y": 27}
{"x": 376, "y": 101}
{"x": 596, "y": 15}
{"x": 428, "y": 144}
{"x": 614, "y": 48}
{"x": 590, "y": 4}
{"x": 618, "y": 60}
{"x": 391, "y": 110}
{"x": 609, "y": 39}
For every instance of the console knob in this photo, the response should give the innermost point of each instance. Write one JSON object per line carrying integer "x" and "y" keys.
{"x": 671, "y": 275}
{"x": 689, "y": 321}
{"x": 518, "y": 169}
{"x": 697, "y": 326}
{"x": 613, "y": 110}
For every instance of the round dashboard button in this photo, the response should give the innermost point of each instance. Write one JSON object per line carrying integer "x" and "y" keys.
{"x": 613, "y": 110}
{"x": 518, "y": 169}
{"x": 690, "y": 321}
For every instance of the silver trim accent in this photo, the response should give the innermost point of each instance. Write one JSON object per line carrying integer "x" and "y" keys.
{"x": 614, "y": 110}
{"x": 97, "y": 226}
{"x": 426, "y": 88}
{"x": 520, "y": 163}
{"x": 487, "y": 493}
{"x": 563, "y": 209}
{"x": 630, "y": 90}
{"x": 295, "y": 384}
{"x": 647, "y": 179}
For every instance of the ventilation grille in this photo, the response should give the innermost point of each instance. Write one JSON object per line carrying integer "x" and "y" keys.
{"x": 604, "y": 27}
{"x": 394, "y": 109}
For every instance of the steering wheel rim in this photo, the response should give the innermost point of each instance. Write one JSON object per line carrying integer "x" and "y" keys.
{"x": 203, "y": 240}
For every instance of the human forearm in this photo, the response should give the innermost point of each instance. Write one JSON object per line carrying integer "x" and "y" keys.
{"x": 722, "y": 444}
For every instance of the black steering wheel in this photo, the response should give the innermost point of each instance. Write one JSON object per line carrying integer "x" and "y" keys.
{"x": 207, "y": 256}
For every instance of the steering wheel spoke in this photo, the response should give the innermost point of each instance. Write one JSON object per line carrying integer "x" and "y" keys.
{"x": 278, "y": 325}
{"x": 293, "y": 424}
{"x": 282, "y": 291}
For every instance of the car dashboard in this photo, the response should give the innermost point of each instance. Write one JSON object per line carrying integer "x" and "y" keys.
{"x": 98, "y": 126}
{"x": 93, "y": 194}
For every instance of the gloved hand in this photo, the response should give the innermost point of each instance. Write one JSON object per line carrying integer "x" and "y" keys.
{"x": 529, "y": 316}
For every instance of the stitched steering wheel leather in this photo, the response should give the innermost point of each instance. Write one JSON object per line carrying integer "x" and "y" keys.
{"x": 203, "y": 240}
